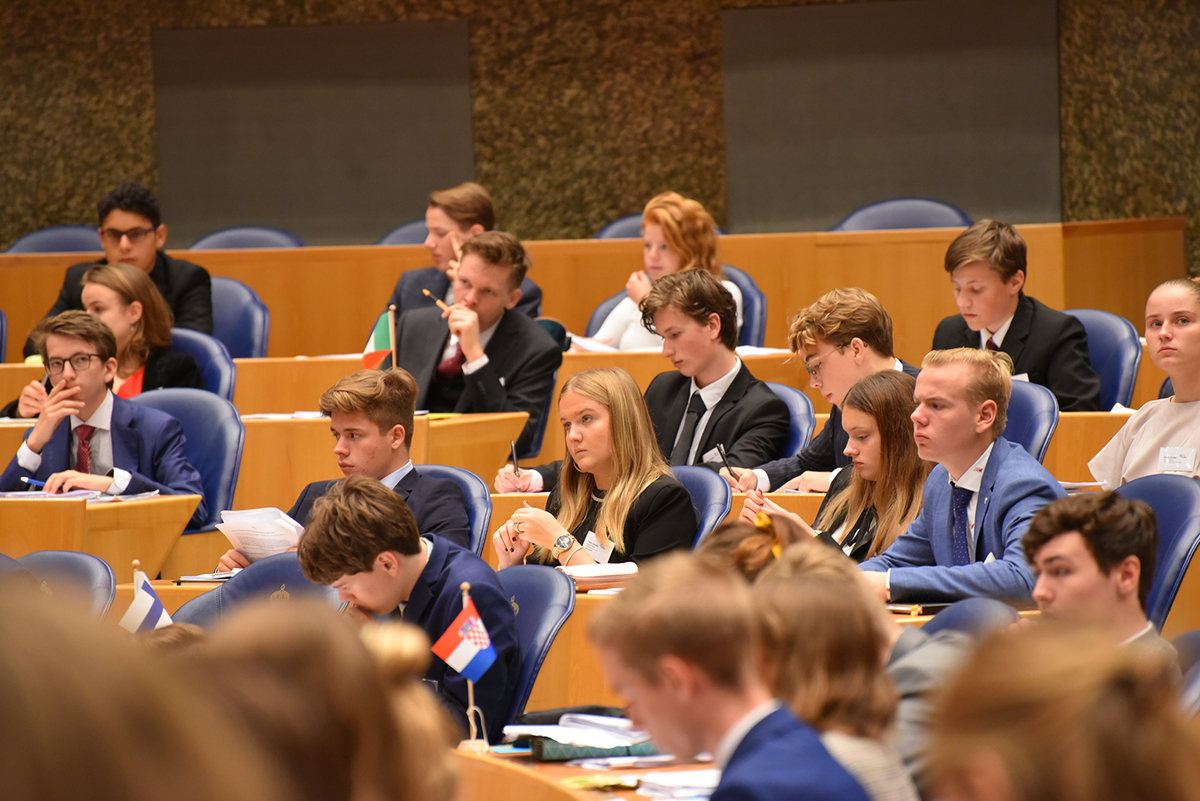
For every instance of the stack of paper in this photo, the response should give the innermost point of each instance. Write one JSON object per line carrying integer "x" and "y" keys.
{"x": 595, "y": 577}
{"x": 259, "y": 533}
{"x": 679, "y": 783}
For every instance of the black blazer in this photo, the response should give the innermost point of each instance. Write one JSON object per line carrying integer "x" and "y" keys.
{"x": 407, "y": 293}
{"x": 186, "y": 287}
{"x": 1051, "y": 347}
{"x": 438, "y": 505}
{"x": 519, "y": 375}
{"x": 861, "y": 535}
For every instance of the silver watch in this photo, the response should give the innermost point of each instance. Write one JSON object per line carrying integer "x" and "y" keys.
{"x": 563, "y": 543}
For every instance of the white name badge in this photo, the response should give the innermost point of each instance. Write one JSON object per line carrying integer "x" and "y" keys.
{"x": 713, "y": 455}
{"x": 1177, "y": 460}
{"x": 600, "y": 551}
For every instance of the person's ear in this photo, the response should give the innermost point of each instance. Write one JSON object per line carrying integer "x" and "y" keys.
{"x": 110, "y": 370}
{"x": 388, "y": 562}
{"x": 474, "y": 230}
{"x": 1017, "y": 282}
{"x": 678, "y": 676}
{"x": 160, "y": 236}
{"x": 396, "y": 436}
{"x": 1128, "y": 574}
{"x": 986, "y": 417}
{"x": 134, "y": 310}
{"x": 858, "y": 349}
{"x": 713, "y": 326}
{"x": 513, "y": 298}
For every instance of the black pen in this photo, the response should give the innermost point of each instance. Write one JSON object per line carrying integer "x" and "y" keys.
{"x": 725, "y": 459}
{"x": 516, "y": 467}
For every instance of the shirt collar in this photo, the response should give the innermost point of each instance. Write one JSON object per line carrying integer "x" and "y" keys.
{"x": 996, "y": 336}
{"x": 717, "y": 389}
{"x": 1142, "y": 633}
{"x": 392, "y": 479}
{"x": 101, "y": 418}
{"x": 738, "y": 731}
{"x": 973, "y": 479}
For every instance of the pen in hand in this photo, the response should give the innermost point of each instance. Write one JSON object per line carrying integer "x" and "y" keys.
{"x": 516, "y": 467}
{"x": 33, "y": 482}
{"x": 441, "y": 304}
{"x": 725, "y": 459}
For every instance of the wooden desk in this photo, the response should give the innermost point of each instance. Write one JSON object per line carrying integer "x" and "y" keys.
{"x": 171, "y": 594}
{"x": 491, "y": 778}
{"x": 283, "y": 386}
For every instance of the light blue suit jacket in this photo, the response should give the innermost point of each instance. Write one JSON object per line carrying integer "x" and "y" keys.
{"x": 1014, "y": 487}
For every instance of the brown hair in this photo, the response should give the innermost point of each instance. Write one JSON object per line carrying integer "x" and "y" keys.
{"x": 153, "y": 330}
{"x": 991, "y": 378}
{"x": 1112, "y": 527}
{"x": 467, "y": 204}
{"x": 77, "y": 325}
{"x": 748, "y": 547}
{"x": 896, "y": 495}
{"x": 679, "y": 605}
{"x": 351, "y": 524}
{"x": 839, "y": 316}
{"x": 697, "y": 294}
{"x": 387, "y": 397}
{"x": 175, "y": 638}
{"x": 500, "y": 249}
{"x": 996, "y": 244}
{"x": 688, "y": 229}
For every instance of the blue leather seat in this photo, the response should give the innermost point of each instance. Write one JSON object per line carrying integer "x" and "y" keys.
{"x": 241, "y": 321}
{"x": 216, "y": 365}
{"x": 539, "y": 433}
{"x": 627, "y": 227}
{"x": 1115, "y": 352}
{"x": 905, "y": 212}
{"x": 754, "y": 308}
{"x": 1187, "y": 645}
{"x": 1176, "y": 503}
{"x": 411, "y": 233}
{"x": 601, "y": 313}
{"x": 215, "y": 435}
{"x": 1032, "y": 417}
{"x": 974, "y": 616}
{"x": 58, "y": 239}
{"x": 247, "y": 237}
{"x": 1189, "y": 695}
{"x": 479, "y": 499}
{"x": 68, "y": 572}
{"x": 277, "y": 577}
{"x": 711, "y": 497}
{"x": 803, "y": 417}
{"x": 1167, "y": 389}
{"x": 542, "y": 598}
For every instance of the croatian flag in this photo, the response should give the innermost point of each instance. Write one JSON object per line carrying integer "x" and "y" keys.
{"x": 466, "y": 646}
{"x": 146, "y": 612}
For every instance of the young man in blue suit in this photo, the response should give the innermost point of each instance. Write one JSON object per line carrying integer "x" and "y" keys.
{"x": 679, "y": 645}
{"x": 86, "y": 437}
{"x": 980, "y": 498}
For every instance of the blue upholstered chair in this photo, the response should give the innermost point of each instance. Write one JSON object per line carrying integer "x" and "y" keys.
{"x": 628, "y": 227}
{"x": 1032, "y": 417}
{"x": 754, "y": 307}
{"x": 411, "y": 233}
{"x": 1167, "y": 389}
{"x": 905, "y": 212}
{"x": 479, "y": 499}
{"x": 1115, "y": 352}
{"x": 601, "y": 312}
{"x": 542, "y": 598}
{"x": 58, "y": 239}
{"x": 1189, "y": 695}
{"x": 803, "y": 417}
{"x": 277, "y": 577}
{"x": 974, "y": 616}
{"x": 711, "y": 497}
{"x": 215, "y": 435}
{"x": 539, "y": 433}
{"x": 71, "y": 572}
{"x": 1187, "y": 645}
{"x": 216, "y": 365}
{"x": 240, "y": 320}
{"x": 1176, "y": 503}
{"x": 246, "y": 237}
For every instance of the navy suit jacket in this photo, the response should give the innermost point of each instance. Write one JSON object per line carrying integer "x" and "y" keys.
{"x": 780, "y": 758}
{"x": 146, "y": 442}
{"x": 434, "y": 603}
{"x": 1014, "y": 487}
{"x": 437, "y": 504}
{"x": 407, "y": 294}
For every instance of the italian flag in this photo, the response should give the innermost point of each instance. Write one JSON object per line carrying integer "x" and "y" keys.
{"x": 379, "y": 344}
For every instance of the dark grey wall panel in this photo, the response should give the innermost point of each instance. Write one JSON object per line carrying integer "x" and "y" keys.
{"x": 831, "y": 107}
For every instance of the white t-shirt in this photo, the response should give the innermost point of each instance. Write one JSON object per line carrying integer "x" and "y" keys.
{"x": 1137, "y": 448}
{"x": 623, "y": 327}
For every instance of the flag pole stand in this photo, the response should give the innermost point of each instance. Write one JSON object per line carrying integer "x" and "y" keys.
{"x": 475, "y": 743}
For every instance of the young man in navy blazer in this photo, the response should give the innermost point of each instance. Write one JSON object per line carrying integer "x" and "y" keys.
{"x": 979, "y": 500}
{"x": 679, "y": 644}
{"x": 86, "y": 437}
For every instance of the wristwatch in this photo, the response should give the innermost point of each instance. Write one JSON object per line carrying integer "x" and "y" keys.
{"x": 563, "y": 543}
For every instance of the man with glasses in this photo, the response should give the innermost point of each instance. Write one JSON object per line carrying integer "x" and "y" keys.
{"x": 107, "y": 444}
{"x": 843, "y": 337}
{"x": 132, "y": 231}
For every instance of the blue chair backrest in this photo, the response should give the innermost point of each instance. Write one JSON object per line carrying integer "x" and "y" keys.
{"x": 1176, "y": 503}
{"x": 1115, "y": 352}
{"x": 67, "y": 571}
{"x": 479, "y": 499}
{"x": 240, "y": 319}
{"x": 628, "y": 227}
{"x": 542, "y": 598}
{"x": 754, "y": 307}
{"x": 3, "y": 335}
{"x": 802, "y": 414}
{"x": 711, "y": 497}
{"x": 411, "y": 233}
{"x": 1187, "y": 645}
{"x": 216, "y": 365}
{"x": 905, "y": 212}
{"x": 215, "y": 435}
{"x": 58, "y": 239}
{"x": 539, "y": 433}
{"x": 1189, "y": 695}
{"x": 974, "y": 616}
{"x": 1167, "y": 389}
{"x": 601, "y": 313}
{"x": 264, "y": 579}
{"x": 247, "y": 237}
{"x": 1032, "y": 417}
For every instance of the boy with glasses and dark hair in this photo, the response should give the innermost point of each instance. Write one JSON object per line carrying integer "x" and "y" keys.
{"x": 108, "y": 444}
{"x": 132, "y": 232}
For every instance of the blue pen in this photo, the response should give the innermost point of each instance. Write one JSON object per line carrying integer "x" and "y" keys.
{"x": 33, "y": 482}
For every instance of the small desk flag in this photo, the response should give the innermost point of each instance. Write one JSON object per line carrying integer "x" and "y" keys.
{"x": 146, "y": 612}
{"x": 378, "y": 345}
{"x": 466, "y": 646}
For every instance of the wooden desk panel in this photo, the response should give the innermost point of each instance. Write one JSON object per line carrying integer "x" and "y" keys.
{"x": 489, "y": 778}
{"x": 15, "y": 377}
{"x": 1079, "y": 437}
{"x": 283, "y": 386}
{"x": 171, "y": 594}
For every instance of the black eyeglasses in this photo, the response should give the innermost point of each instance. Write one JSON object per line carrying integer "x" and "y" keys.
{"x": 79, "y": 363}
{"x": 136, "y": 235}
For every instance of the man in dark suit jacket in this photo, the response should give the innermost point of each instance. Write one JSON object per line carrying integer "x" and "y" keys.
{"x": 106, "y": 444}
{"x": 987, "y": 267}
{"x": 481, "y": 355}
{"x": 407, "y": 294}
{"x": 132, "y": 231}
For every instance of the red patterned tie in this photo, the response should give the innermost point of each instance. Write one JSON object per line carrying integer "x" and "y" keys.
{"x": 448, "y": 368}
{"x": 991, "y": 345}
{"x": 83, "y": 456}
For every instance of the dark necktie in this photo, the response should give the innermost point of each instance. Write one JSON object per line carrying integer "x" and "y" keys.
{"x": 683, "y": 445}
{"x": 960, "y": 498}
{"x": 83, "y": 454}
{"x": 991, "y": 345}
{"x": 449, "y": 368}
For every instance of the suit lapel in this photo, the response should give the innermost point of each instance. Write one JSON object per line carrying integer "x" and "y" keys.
{"x": 671, "y": 420}
{"x": 423, "y": 355}
{"x": 1018, "y": 332}
{"x": 56, "y": 456}
{"x": 123, "y": 433}
{"x": 984, "y": 497}
{"x": 732, "y": 395}
{"x": 406, "y": 484}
